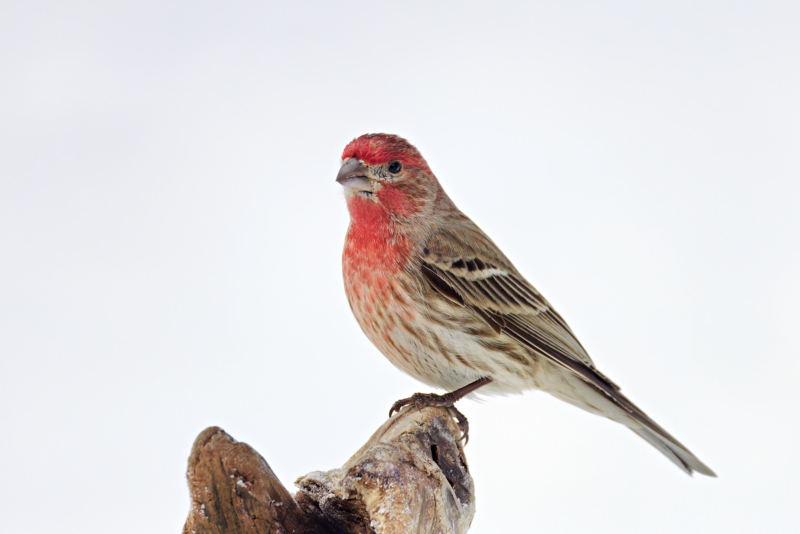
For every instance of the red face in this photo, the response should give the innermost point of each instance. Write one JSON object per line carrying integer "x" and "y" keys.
{"x": 385, "y": 179}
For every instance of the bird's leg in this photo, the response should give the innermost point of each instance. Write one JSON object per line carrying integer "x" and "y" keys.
{"x": 423, "y": 400}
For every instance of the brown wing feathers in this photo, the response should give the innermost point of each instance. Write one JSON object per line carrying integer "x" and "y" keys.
{"x": 513, "y": 307}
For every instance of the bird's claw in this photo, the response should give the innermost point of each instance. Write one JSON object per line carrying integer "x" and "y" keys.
{"x": 397, "y": 406}
{"x": 463, "y": 424}
{"x": 423, "y": 400}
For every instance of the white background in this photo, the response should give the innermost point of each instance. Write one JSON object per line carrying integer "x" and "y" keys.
{"x": 170, "y": 240}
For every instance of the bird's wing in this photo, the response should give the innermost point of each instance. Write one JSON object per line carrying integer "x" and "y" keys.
{"x": 462, "y": 264}
{"x": 478, "y": 276}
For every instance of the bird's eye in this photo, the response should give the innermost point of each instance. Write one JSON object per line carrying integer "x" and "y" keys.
{"x": 395, "y": 167}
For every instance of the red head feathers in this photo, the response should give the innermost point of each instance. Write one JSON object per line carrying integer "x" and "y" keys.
{"x": 375, "y": 149}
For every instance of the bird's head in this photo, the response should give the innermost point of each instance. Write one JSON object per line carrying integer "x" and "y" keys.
{"x": 385, "y": 176}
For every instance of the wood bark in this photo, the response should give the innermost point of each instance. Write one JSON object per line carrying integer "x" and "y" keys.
{"x": 410, "y": 476}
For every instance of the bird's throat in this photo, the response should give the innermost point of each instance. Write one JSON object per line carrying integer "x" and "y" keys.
{"x": 374, "y": 243}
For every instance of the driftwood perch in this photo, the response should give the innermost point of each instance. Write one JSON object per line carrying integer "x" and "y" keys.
{"x": 411, "y": 476}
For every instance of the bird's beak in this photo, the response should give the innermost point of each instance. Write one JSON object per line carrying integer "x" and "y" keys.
{"x": 354, "y": 175}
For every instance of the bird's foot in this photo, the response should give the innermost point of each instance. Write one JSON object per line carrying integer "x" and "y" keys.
{"x": 423, "y": 400}
{"x": 461, "y": 421}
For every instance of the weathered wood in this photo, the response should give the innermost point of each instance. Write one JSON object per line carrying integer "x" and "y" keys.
{"x": 411, "y": 476}
{"x": 233, "y": 490}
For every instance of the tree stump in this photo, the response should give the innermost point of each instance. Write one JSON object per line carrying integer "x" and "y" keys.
{"x": 410, "y": 476}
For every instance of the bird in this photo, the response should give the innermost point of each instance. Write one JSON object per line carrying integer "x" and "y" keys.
{"x": 441, "y": 301}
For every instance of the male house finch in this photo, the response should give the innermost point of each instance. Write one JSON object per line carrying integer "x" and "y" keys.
{"x": 444, "y": 304}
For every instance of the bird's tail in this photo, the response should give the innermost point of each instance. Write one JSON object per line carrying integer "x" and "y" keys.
{"x": 652, "y": 433}
{"x": 676, "y": 452}
{"x": 604, "y": 398}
